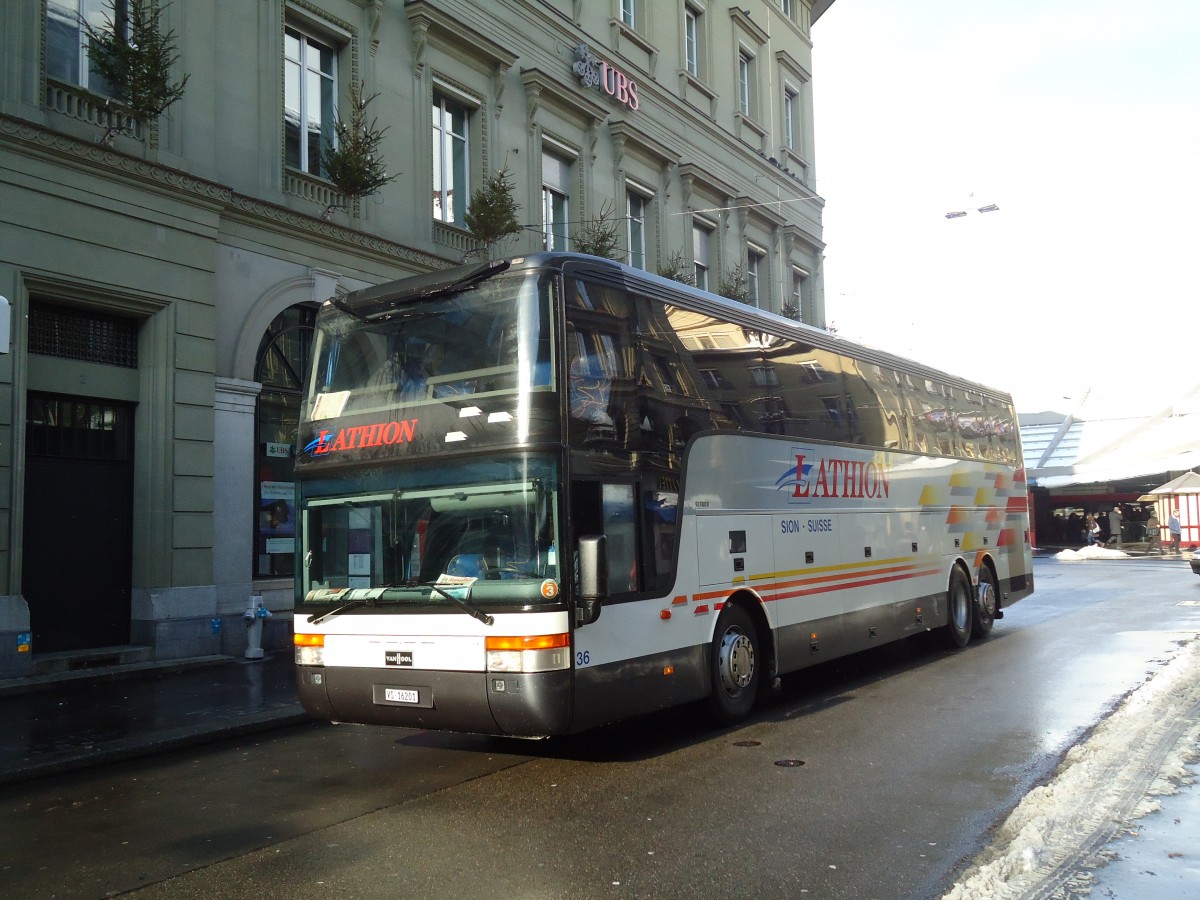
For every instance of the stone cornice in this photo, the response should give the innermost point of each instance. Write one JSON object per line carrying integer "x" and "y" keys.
{"x": 636, "y": 137}
{"x": 751, "y": 28}
{"x": 429, "y": 23}
{"x": 29, "y": 138}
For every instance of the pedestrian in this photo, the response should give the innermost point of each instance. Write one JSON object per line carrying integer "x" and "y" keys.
{"x": 1074, "y": 527}
{"x": 1114, "y": 525}
{"x": 1153, "y": 539}
{"x": 1093, "y": 531}
{"x": 1176, "y": 530}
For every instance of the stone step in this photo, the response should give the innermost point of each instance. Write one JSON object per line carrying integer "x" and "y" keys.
{"x": 92, "y": 658}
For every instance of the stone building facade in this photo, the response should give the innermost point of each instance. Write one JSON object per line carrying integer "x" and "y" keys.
{"x": 162, "y": 278}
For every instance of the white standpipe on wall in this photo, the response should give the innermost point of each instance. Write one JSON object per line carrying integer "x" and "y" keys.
{"x": 255, "y": 615}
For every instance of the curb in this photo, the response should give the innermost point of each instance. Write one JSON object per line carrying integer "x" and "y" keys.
{"x": 150, "y": 745}
{"x": 32, "y": 684}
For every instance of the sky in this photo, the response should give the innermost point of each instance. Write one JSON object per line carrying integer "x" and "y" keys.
{"x": 1080, "y": 120}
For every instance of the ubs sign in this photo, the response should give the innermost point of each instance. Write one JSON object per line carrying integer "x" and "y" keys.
{"x": 595, "y": 73}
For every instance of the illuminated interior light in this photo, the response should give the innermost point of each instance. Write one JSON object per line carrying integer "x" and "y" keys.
{"x": 452, "y": 436}
{"x": 468, "y": 412}
{"x": 499, "y": 417}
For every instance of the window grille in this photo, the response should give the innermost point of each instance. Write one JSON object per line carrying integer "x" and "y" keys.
{"x": 81, "y": 334}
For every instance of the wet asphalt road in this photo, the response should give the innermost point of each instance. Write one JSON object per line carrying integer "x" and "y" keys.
{"x": 873, "y": 777}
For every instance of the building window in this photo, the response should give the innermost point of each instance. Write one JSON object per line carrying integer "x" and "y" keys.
{"x": 764, "y": 376}
{"x": 636, "y": 234}
{"x": 745, "y": 73}
{"x": 451, "y": 165}
{"x": 799, "y": 292}
{"x": 283, "y": 356}
{"x": 786, "y": 7}
{"x": 701, "y": 254}
{"x": 67, "y": 39}
{"x": 753, "y": 267}
{"x": 556, "y": 179}
{"x": 309, "y": 88}
{"x": 629, "y": 13}
{"x": 789, "y": 118}
{"x": 691, "y": 41}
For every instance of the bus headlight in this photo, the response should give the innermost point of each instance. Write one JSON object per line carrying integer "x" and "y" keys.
{"x": 537, "y": 653}
{"x": 310, "y": 649}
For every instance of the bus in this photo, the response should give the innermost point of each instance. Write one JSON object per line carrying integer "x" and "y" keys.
{"x": 543, "y": 493}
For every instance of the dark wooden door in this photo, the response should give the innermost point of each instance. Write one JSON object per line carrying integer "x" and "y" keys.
{"x": 77, "y": 569}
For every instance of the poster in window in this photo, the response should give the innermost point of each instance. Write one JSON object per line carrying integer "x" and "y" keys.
{"x": 276, "y": 510}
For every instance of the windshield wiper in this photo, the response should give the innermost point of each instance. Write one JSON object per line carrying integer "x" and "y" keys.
{"x": 462, "y": 604}
{"x": 359, "y": 597}
{"x": 348, "y": 605}
{"x": 378, "y": 599}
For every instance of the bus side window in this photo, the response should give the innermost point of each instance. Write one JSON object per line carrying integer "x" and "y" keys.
{"x": 609, "y": 509}
{"x": 620, "y": 525}
{"x": 659, "y": 508}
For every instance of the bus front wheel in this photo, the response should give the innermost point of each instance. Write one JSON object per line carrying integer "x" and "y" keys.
{"x": 734, "y": 668}
{"x": 957, "y": 630}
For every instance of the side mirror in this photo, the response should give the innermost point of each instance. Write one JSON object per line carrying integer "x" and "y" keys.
{"x": 593, "y": 578}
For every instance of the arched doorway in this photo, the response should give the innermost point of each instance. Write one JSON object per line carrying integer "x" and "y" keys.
{"x": 280, "y": 366}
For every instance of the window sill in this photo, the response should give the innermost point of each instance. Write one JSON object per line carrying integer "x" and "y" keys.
{"x": 621, "y": 31}
{"x": 447, "y": 234}
{"x": 750, "y": 131}
{"x": 78, "y": 103}
{"x": 794, "y": 162}
{"x": 315, "y": 189}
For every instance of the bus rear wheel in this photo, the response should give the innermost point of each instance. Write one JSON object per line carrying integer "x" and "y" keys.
{"x": 986, "y": 598}
{"x": 957, "y": 630}
{"x": 734, "y": 667}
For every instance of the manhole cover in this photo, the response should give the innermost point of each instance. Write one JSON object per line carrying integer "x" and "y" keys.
{"x": 747, "y": 743}
{"x": 789, "y": 763}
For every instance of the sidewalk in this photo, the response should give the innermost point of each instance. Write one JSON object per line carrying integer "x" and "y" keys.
{"x": 74, "y": 720}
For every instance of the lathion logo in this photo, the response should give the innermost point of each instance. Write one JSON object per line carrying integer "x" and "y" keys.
{"x": 361, "y": 437}
{"x": 796, "y": 479}
{"x": 835, "y": 478}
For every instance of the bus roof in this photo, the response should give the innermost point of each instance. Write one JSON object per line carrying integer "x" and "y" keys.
{"x": 449, "y": 280}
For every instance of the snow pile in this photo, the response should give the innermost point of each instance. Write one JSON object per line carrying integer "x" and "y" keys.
{"x": 1090, "y": 553}
{"x": 1060, "y": 828}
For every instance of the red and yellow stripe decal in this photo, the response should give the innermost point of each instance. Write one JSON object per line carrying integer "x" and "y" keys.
{"x": 821, "y": 580}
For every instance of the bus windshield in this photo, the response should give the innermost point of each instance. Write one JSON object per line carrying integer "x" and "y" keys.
{"x": 492, "y": 541}
{"x": 485, "y": 346}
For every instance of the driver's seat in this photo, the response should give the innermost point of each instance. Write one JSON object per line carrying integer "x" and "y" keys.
{"x": 468, "y": 565}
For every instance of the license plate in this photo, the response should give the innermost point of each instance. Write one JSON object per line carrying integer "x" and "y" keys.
{"x": 401, "y": 695}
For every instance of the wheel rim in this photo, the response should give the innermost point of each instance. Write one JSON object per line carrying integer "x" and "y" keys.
{"x": 987, "y": 598}
{"x": 735, "y": 661}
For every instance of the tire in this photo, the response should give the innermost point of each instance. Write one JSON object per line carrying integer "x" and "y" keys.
{"x": 734, "y": 667}
{"x": 957, "y": 631}
{"x": 987, "y": 596}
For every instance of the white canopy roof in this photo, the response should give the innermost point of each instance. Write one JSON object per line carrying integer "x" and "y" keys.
{"x": 1085, "y": 452}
